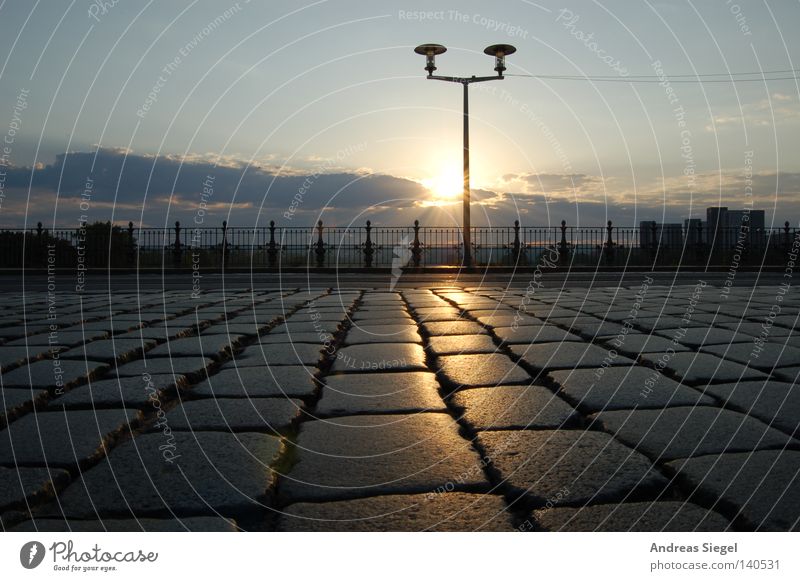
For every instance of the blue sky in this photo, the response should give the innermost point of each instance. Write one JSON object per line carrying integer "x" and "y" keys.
{"x": 267, "y": 95}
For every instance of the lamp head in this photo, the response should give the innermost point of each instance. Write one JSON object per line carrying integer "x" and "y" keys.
{"x": 499, "y": 52}
{"x": 430, "y": 51}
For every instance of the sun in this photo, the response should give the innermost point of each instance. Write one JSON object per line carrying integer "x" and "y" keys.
{"x": 446, "y": 186}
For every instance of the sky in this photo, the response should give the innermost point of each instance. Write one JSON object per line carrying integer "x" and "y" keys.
{"x": 152, "y": 112}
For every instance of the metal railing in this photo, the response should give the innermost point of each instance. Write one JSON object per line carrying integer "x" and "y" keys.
{"x": 103, "y": 246}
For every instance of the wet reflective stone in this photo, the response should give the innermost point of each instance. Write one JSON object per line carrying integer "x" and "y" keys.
{"x": 448, "y": 511}
{"x": 453, "y": 328}
{"x": 681, "y": 432}
{"x": 377, "y": 393}
{"x": 360, "y": 456}
{"x": 380, "y": 357}
{"x": 481, "y": 370}
{"x": 575, "y": 465}
{"x": 514, "y": 407}
{"x": 461, "y": 344}
{"x": 372, "y": 334}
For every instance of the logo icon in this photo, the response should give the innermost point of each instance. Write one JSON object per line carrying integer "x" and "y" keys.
{"x": 31, "y": 554}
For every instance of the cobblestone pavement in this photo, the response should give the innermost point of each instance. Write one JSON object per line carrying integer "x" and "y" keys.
{"x": 637, "y": 407}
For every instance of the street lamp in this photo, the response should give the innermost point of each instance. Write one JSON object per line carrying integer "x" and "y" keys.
{"x": 499, "y": 52}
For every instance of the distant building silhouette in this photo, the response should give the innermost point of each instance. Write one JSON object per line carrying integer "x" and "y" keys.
{"x": 723, "y": 229}
{"x": 655, "y": 235}
{"x": 727, "y": 229}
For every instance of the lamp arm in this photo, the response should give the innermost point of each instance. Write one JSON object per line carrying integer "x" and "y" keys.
{"x": 465, "y": 80}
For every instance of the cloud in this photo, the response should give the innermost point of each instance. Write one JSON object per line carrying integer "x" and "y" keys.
{"x": 776, "y": 111}
{"x": 567, "y": 186}
{"x": 168, "y": 188}
{"x": 122, "y": 185}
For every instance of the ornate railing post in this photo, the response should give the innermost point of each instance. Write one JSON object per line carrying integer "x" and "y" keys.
{"x": 176, "y": 248}
{"x": 416, "y": 247}
{"x": 787, "y": 242}
{"x": 517, "y": 245}
{"x": 654, "y": 240}
{"x": 320, "y": 246}
{"x": 609, "y": 245}
{"x": 563, "y": 246}
{"x": 368, "y": 249}
{"x": 700, "y": 246}
{"x": 131, "y": 245}
{"x": 224, "y": 245}
{"x": 272, "y": 247}
{"x": 40, "y": 242}
{"x": 40, "y": 259}
{"x": 744, "y": 234}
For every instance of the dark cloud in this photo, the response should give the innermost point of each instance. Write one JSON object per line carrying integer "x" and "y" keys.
{"x": 158, "y": 191}
{"x": 152, "y": 186}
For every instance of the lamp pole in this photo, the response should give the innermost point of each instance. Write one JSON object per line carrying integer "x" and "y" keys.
{"x": 499, "y": 51}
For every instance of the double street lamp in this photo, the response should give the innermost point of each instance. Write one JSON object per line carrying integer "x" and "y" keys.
{"x": 499, "y": 52}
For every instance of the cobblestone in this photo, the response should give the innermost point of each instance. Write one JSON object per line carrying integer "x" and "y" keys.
{"x": 681, "y": 432}
{"x": 705, "y": 368}
{"x": 461, "y": 344}
{"x": 60, "y": 438}
{"x": 367, "y": 455}
{"x": 567, "y": 355}
{"x": 267, "y": 415}
{"x": 22, "y": 485}
{"x": 583, "y": 466}
{"x": 380, "y": 357}
{"x": 445, "y": 407}
{"x": 481, "y": 370}
{"x": 131, "y": 392}
{"x": 624, "y": 388}
{"x": 211, "y": 473}
{"x": 514, "y": 407}
{"x": 633, "y": 517}
{"x": 449, "y": 511}
{"x": 248, "y": 382}
{"x": 761, "y": 486}
{"x": 380, "y": 393}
